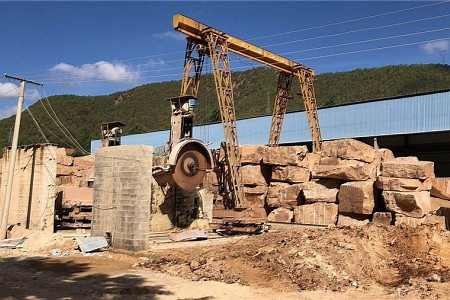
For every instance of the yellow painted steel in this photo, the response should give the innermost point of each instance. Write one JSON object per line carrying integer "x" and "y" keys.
{"x": 196, "y": 30}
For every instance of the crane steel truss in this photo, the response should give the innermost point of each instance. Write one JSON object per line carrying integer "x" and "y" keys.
{"x": 218, "y": 44}
{"x": 280, "y": 106}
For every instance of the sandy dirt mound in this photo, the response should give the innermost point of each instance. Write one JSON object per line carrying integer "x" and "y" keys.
{"x": 331, "y": 259}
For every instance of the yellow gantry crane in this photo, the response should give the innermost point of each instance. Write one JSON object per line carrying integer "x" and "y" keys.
{"x": 204, "y": 40}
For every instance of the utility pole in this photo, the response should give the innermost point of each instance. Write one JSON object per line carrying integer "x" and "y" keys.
{"x": 13, "y": 153}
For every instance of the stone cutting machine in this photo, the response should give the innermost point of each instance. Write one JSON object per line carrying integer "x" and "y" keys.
{"x": 189, "y": 158}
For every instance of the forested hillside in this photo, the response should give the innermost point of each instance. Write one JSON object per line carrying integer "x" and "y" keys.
{"x": 145, "y": 108}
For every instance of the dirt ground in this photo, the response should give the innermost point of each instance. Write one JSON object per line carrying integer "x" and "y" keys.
{"x": 335, "y": 263}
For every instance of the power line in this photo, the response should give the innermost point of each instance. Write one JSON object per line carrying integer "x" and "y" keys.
{"x": 354, "y": 31}
{"x": 349, "y": 21}
{"x": 367, "y": 41}
{"x": 374, "y": 49}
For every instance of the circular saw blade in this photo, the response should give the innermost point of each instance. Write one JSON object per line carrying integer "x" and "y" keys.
{"x": 190, "y": 169}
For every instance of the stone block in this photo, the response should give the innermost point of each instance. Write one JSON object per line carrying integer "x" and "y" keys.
{"x": 255, "y": 196}
{"x": 314, "y": 192}
{"x": 288, "y": 196}
{"x": 357, "y": 198}
{"x": 382, "y": 218}
{"x": 62, "y": 158}
{"x": 411, "y": 204}
{"x": 251, "y": 154}
{"x": 384, "y": 154}
{"x": 252, "y": 175}
{"x": 281, "y": 215}
{"x": 62, "y": 170}
{"x": 440, "y": 187}
{"x": 350, "y": 170}
{"x": 403, "y": 184}
{"x": 274, "y": 188}
{"x": 438, "y": 221}
{"x": 407, "y": 168}
{"x": 284, "y": 155}
{"x": 319, "y": 213}
{"x": 349, "y": 149}
{"x": 346, "y": 221}
{"x": 310, "y": 161}
{"x": 293, "y": 174}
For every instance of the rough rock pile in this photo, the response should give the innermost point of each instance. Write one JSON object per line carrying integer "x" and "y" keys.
{"x": 348, "y": 183}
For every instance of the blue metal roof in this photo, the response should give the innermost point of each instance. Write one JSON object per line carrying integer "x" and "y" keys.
{"x": 415, "y": 114}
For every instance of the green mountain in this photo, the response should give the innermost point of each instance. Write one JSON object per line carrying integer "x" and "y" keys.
{"x": 145, "y": 108}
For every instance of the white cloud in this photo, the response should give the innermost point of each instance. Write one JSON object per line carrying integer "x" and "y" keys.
{"x": 8, "y": 90}
{"x": 173, "y": 35}
{"x": 436, "y": 46}
{"x": 102, "y": 70}
{"x": 8, "y": 111}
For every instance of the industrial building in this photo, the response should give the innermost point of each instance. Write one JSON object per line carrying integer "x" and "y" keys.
{"x": 416, "y": 125}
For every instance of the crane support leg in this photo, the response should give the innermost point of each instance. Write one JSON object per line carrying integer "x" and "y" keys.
{"x": 306, "y": 78}
{"x": 193, "y": 65}
{"x": 280, "y": 106}
{"x": 218, "y": 52}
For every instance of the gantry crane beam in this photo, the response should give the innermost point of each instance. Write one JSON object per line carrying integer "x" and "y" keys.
{"x": 198, "y": 31}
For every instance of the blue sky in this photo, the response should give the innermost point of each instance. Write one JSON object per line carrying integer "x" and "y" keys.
{"x": 94, "y": 48}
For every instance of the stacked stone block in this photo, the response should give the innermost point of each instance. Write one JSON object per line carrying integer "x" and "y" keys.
{"x": 348, "y": 183}
{"x": 122, "y": 195}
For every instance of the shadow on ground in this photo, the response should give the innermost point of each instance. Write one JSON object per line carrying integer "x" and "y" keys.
{"x": 53, "y": 278}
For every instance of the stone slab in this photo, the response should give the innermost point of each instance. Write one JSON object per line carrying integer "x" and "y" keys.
{"x": 440, "y": 187}
{"x": 316, "y": 214}
{"x": 349, "y": 170}
{"x": 411, "y": 204}
{"x": 292, "y": 174}
{"x": 407, "y": 168}
{"x": 403, "y": 184}
{"x": 284, "y": 155}
{"x": 357, "y": 198}
{"x": 283, "y": 215}
{"x": 349, "y": 149}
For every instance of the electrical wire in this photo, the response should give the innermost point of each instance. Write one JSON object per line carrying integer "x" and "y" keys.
{"x": 374, "y": 49}
{"x": 366, "y": 41}
{"x": 349, "y": 21}
{"x": 354, "y": 31}
{"x": 61, "y": 126}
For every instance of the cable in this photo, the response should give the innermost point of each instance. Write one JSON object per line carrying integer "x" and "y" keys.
{"x": 68, "y": 134}
{"x": 349, "y": 21}
{"x": 356, "y": 30}
{"x": 374, "y": 49}
{"x": 366, "y": 41}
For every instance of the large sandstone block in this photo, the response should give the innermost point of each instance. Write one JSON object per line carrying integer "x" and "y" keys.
{"x": 440, "y": 187}
{"x": 357, "y": 198}
{"x": 319, "y": 213}
{"x": 403, "y": 184}
{"x": 287, "y": 196}
{"x": 255, "y": 196}
{"x": 382, "y": 218}
{"x": 62, "y": 158}
{"x": 291, "y": 174}
{"x": 411, "y": 204}
{"x": 314, "y": 192}
{"x": 310, "y": 161}
{"x": 281, "y": 215}
{"x": 414, "y": 222}
{"x": 252, "y": 175}
{"x": 407, "y": 168}
{"x": 64, "y": 170}
{"x": 337, "y": 168}
{"x": 441, "y": 207}
{"x": 251, "y": 154}
{"x": 349, "y": 149}
{"x": 346, "y": 221}
{"x": 284, "y": 155}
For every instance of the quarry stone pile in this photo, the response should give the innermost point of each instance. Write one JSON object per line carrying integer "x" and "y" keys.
{"x": 349, "y": 183}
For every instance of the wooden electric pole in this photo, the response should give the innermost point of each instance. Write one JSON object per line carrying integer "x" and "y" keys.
{"x": 12, "y": 156}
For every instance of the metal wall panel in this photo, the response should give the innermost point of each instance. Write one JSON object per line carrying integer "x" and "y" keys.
{"x": 416, "y": 114}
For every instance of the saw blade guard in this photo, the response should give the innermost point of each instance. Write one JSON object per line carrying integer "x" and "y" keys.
{"x": 189, "y": 161}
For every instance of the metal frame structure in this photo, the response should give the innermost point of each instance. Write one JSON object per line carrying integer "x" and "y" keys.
{"x": 217, "y": 44}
